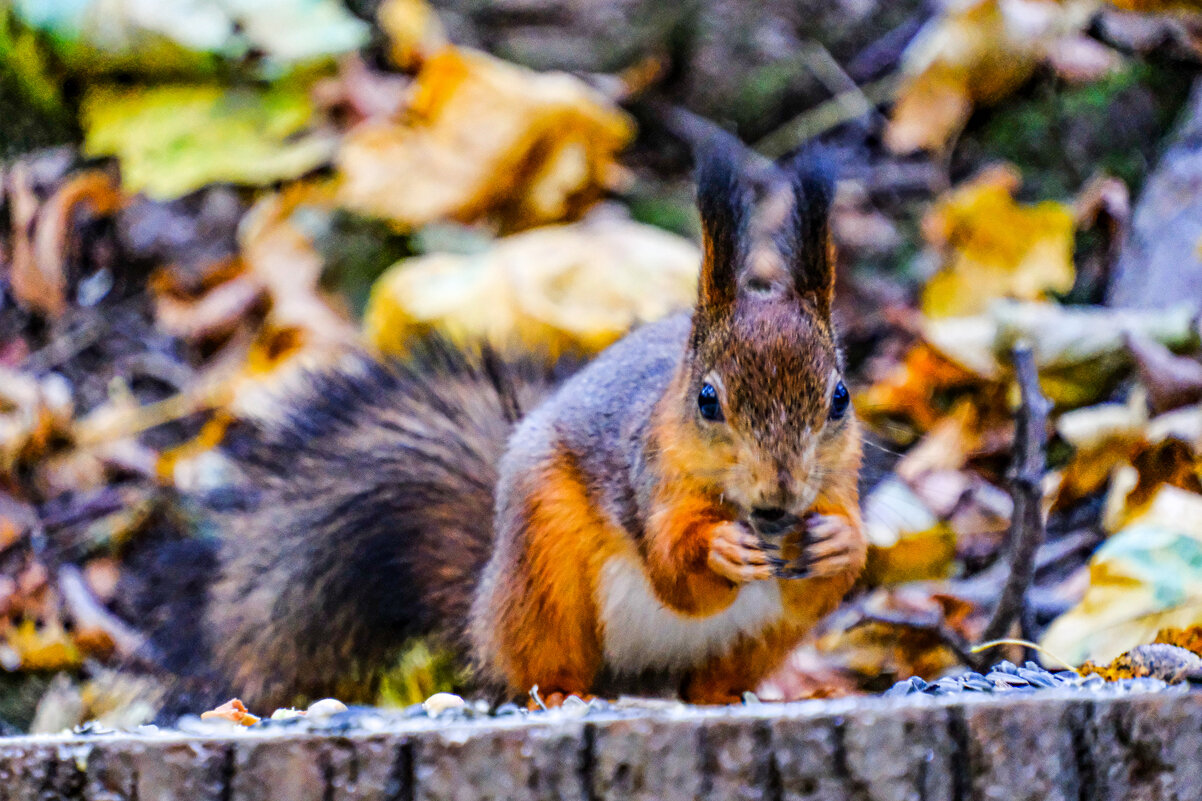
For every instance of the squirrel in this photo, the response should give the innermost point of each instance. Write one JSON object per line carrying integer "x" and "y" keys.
{"x": 674, "y": 515}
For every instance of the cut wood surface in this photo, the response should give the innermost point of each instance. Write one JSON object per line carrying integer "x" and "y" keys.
{"x": 1044, "y": 745}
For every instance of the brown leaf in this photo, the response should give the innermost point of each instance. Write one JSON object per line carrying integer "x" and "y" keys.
{"x": 42, "y": 233}
{"x": 485, "y": 140}
{"x": 1189, "y": 638}
{"x": 1168, "y": 663}
{"x": 1172, "y": 381}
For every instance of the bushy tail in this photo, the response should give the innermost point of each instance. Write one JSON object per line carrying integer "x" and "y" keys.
{"x": 368, "y": 520}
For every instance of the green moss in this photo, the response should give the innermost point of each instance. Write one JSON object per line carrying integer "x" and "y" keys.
{"x": 19, "y": 696}
{"x": 1061, "y": 134}
{"x": 667, "y": 207}
{"x": 419, "y": 673}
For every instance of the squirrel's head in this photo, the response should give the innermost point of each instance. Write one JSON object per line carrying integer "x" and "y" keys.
{"x": 761, "y": 388}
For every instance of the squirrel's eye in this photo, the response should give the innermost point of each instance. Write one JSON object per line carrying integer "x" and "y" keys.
{"x": 707, "y": 403}
{"x": 840, "y": 400}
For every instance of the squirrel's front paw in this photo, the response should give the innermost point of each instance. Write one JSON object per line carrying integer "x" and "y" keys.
{"x": 833, "y": 545}
{"x": 738, "y": 554}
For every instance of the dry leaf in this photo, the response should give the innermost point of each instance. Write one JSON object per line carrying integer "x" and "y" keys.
{"x": 32, "y": 414}
{"x": 45, "y": 648}
{"x": 1169, "y": 663}
{"x": 909, "y": 390}
{"x": 1171, "y": 380}
{"x": 174, "y": 139}
{"x": 484, "y": 139}
{"x": 1189, "y": 638}
{"x": 574, "y": 288}
{"x": 414, "y": 31}
{"x": 908, "y": 542}
{"x": 993, "y": 247}
{"x": 1146, "y": 577}
{"x": 42, "y": 233}
{"x": 979, "y": 51}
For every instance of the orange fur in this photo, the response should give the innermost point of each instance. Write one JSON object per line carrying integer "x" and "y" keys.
{"x": 550, "y": 635}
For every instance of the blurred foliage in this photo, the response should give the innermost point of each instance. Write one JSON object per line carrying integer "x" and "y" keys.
{"x": 1064, "y": 133}
{"x": 248, "y": 189}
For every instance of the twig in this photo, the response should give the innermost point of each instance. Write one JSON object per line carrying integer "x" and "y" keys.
{"x": 841, "y": 108}
{"x": 934, "y": 626}
{"x": 694, "y": 129}
{"x": 88, "y": 613}
{"x": 1026, "y": 477}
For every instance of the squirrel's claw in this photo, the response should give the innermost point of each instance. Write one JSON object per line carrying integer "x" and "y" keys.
{"x": 739, "y": 555}
{"x": 833, "y": 545}
{"x": 793, "y": 570}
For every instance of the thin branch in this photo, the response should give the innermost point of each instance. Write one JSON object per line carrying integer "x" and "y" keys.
{"x": 934, "y": 625}
{"x": 1026, "y": 477}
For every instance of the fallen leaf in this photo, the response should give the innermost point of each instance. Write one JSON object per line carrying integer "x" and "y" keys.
{"x": 907, "y": 541}
{"x": 976, "y": 52}
{"x": 485, "y": 140}
{"x": 909, "y": 391}
{"x": 1081, "y": 351}
{"x": 1168, "y": 663}
{"x": 1104, "y": 437}
{"x": 575, "y": 288}
{"x": 32, "y": 414}
{"x": 169, "y": 38}
{"x": 1146, "y": 577}
{"x": 43, "y": 648}
{"x": 43, "y": 233}
{"x": 1171, "y": 380}
{"x": 992, "y": 247}
{"x": 173, "y": 139}
{"x": 414, "y": 31}
{"x": 1189, "y": 638}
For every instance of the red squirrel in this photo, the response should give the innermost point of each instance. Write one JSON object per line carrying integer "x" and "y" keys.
{"x": 677, "y": 513}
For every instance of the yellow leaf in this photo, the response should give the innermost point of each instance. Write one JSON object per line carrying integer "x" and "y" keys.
{"x": 1157, "y": 6}
{"x": 414, "y": 31}
{"x": 1146, "y": 577}
{"x": 171, "y": 140}
{"x": 993, "y": 247}
{"x": 485, "y": 140}
{"x": 908, "y": 542}
{"x": 45, "y": 649}
{"x": 575, "y": 288}
{"x": 974, "y": 52}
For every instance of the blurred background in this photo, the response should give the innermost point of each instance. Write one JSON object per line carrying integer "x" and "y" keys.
{"x": 201, "y": 197}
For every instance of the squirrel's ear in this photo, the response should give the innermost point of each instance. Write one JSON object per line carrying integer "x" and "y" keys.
{"x": 812, "y": 255}
{"x": 724, "y": 203}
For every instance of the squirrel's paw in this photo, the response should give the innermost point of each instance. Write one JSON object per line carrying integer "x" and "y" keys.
{"x": 833, "y": 545}
{"x": 739, "y": 555}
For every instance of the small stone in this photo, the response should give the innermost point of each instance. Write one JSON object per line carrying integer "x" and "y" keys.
{"x": 574, "y": 706}
{"x": 325, "y": 708}
{"x": 286, "y": 713}
{"x": 438, "y": 703}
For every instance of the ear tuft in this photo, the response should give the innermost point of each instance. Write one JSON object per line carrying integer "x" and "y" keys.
{"x": 724, "y": 203}
{"x": 812, "y": 174}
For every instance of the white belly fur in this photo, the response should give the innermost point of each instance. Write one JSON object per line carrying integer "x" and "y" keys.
{"x": 639, "y": 632}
